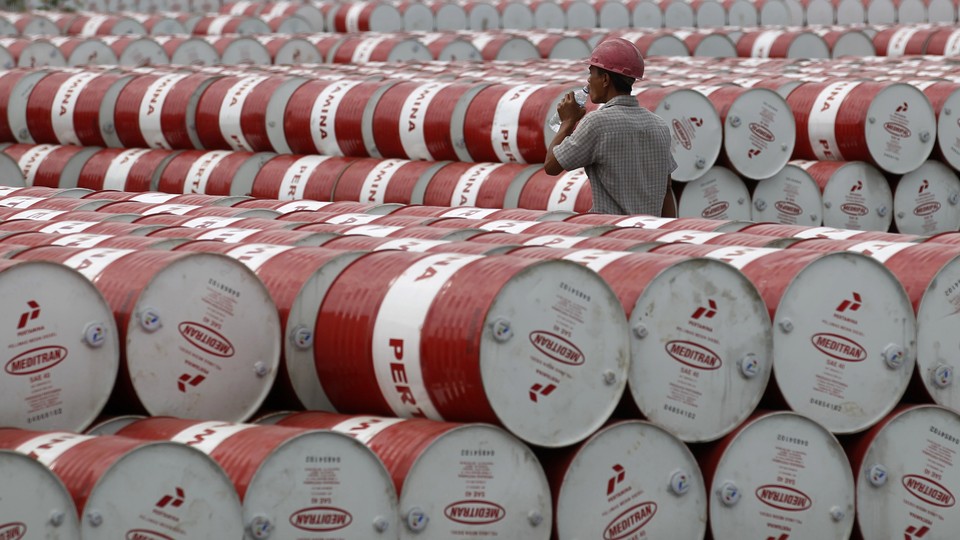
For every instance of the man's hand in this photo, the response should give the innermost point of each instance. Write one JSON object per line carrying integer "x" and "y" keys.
{"x": 570, "y": 112}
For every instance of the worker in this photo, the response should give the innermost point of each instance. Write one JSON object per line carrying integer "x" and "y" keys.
{"x": 624, "y": 148}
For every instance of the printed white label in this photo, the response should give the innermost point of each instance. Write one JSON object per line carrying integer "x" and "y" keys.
{"x": 505, "y": 225}
{"x": 566, "y": 190}
{"x": 555, "y": 241}
{"x": 952, "y": 48}
{"x": 644, "y": 222}
{"x": 207, "y": 436}
{"x": 65, "y": 104}
{"x": 740, "y": 256}
{"x": 31, "y": 160}
{"x": 228, "y": 235}
{"x": 154, "y": 198}
{"x": 365, "y": 428}
{"x": 396, "y": 333}
{"x": 48, "y": 447}
{"x": 301, "y": 205}
{"x": 827, "y": 232}
{"x": 217, "y": 24}
{"x": 377, "y": 231}
{"x": 763, "y": 43}
{"x": 256, "y": 255}
{"x": 900, "y": 39}
{"x": 20, "y": 202}
{"x": 81, "y": 240}
{"x": 231, "y": 112}
{"x": 374, "y": 187}
{"x": 177, "y": 209}
{"x": 93, "y": 24}
{"x": 689, "y": 237}
{"x": 351, "y": 219}
{"x": 468, "y": 187}
{"x": 37, "y": 215}
{"x": 297, "y": 176}
{"x": 151, "y": 108}
{"x": 323, "y": 117}
{"x": 64, "y": 227}
{"x": 211, "y": 222}
{"x": 410, "y": 244}
{"x": 202, "y": 168}
{"x": 595, "y": 259}
{"x": 352, "y": 20}
{"x": 413, "y": 115}
{"x": 506, "y": 122}
{"x": 365, "y": 49}
{"x": 879, "y": 250}
{"x": 92, "y": 262}
{"x": 240, "y": 8}
{"x": 470, "y": 213}
{"x": 821, "y": 124}
{"x": 119, "y": 170}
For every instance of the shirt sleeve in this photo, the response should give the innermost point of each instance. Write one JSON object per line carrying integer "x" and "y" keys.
{"x": 579, "y": 148}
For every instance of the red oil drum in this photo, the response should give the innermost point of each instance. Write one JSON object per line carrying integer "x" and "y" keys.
{"x": 824, "y": 335}
{"x": 74, "y": 107}
{"x": 210, "y": 350}
{"x": 39, "y": 389}
{"x": 299, "y": 177}
{"x": 891, "y": 125}
{"x": 629, "y": 477}
{"x": 298, "y": 280}
{"x": 756, "y": 491}
{"x": 691, "y": 351}
{"x": 124, "y": 487}
{"x": 569, "y": 191}
{"x": 279, "y": 473}
{"x": 159, "y": 111}
{"x": 388, "y": 365}
{"x": 487, "y": 185}
{"x": 856, "y": 195}
{"x": 428, "y": 461}
{"x": 132, "y": 170}
{"x": 46, "y": 507}
{"x": 50, "y": 165}
{"x": 217, "y": 172}
{"x": 372, "y": 180}
{"x": 904, "y": 480}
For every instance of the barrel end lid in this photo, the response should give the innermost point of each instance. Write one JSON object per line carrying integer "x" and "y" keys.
{"x": 900, "y": 113}
{"x": 276, "y": 110}
{"x": 512, "y": 197}
{"x": 759, "y": 133}
{"x": 693, "y": 121}
{"x": 420, "y": 188}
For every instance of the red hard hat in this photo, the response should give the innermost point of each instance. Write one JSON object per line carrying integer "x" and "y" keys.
{"x": 620, "y": 56}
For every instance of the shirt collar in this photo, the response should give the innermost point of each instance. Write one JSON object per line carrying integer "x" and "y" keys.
{"x": 625, "y": 101}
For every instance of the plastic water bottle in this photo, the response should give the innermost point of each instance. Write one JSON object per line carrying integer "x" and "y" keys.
{"x": 580, "y": 95}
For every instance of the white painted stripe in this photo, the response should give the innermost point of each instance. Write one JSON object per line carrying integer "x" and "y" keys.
{"x": 555, "y": 241}
{"x": 81, "y": 240}
{"x": 827, "y": 232}
{"x": 48, "y": 447}
{"x": 365, "y": 428}
{"x": 297, "y": 175}
{"x": 952, "y": 48}
{"x": 177, "y": 209}
{"x": 38, "y": 215}
{"x": 899, "y": 40}
{"x": 323, "y": 117}
{"x": 740, "y": 256}
{"x": 413, "y": 116}
{"x": 763, "y": 43}
{"x": 228, "y": 235}
{"x": 256, "y": 255}
{"x": 119, "y": 170}
{"x": 20, "y": 202}
{"x": 506, "y": 122}
{"x": 231, "y": 112}
{"x": 644, "y": 222}
{"x": 92, "y": 262}
{"x": 566, "y": 190}
{"x": 352, "y": 20}
{"x": 211, "y": 222}
{"x": 410, "y": 244}
{"x": 301, "y": 205}
{"x": 365, "y": 49}
{"x": 64, "y": 227}
{"x": 216, "y": 26}
{"x": 375, "y": 185}
{"x": 154, "y": 198}
{"x": 879, "y": 250}
{"x": 506, "y": 225}
{"x": 352, "y": 219}
{"x": 469, "y": 184}
{"x": 93, "y": 24}
{"x": 151, "y": 109}
{"x": 469, "y": 213}
{"x": 821, "y": 124}
{"x": 207, "y": 436}
{"x": 377, "y": 231}
{"x": 689, "y": 237}
{"x": 199, "y": 174}
{"x": 595, "y": 259}
{"x": 31, "y": 160}
{"x": 65, "y": 104}
{"x": 396, "y": 332}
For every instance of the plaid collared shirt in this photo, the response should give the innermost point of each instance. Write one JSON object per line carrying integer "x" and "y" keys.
{"x": 625, "y": 151}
